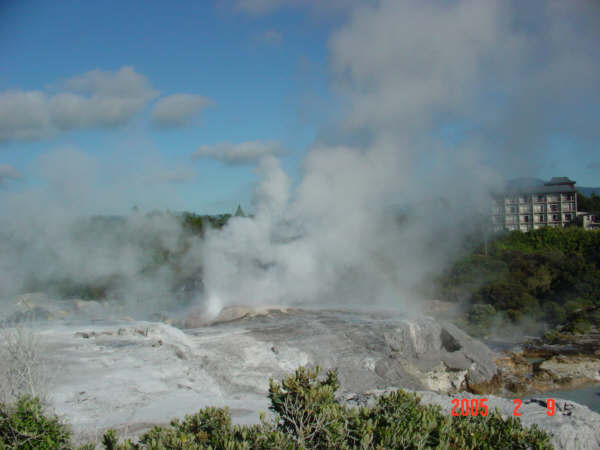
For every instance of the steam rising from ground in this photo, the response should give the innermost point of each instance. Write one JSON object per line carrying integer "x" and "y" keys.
{"x": 442, "y": 100}
{"x": 444, "y": 97}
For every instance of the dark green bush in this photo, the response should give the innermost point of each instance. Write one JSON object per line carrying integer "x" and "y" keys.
{"x": 543, "y": 275}
{"x": 24, "y": 426}
{"x": 306, "y": 416}
{"x": 482, "y": 319}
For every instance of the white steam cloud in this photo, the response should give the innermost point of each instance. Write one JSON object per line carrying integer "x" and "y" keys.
{"x": 51, "y": 240}
{"x": 8, "y": 173}
{"x": 444, "y": 98}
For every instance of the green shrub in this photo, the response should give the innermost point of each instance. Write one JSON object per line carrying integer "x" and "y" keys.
{"x": 307, "y": 416}
{"x": 24, "y": 426}
{"x": 544, "y": 275}
{"x": 552, "y": 336}
{"x": 579, "y": 326}
{"x": 481, "y": 319}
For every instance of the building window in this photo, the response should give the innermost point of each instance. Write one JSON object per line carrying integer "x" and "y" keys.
{"x": 554, "y": 207}
{"x": 541, "y": 218}
{"x": 540, "y": 198}
{"x": 526, "y": 219}
{"x": 568, "y": 217}
{"x": 555, "y": 218}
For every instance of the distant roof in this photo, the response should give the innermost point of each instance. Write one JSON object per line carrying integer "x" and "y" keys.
{"x": 524, "y": 183}
{"x": 538, "y": 186}
{"x": 559, "y": 180}
{"x": 551, "y": 189}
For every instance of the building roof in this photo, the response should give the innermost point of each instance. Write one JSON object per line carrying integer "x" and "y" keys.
{"x": 559, "y": 180}
{"x": 538, "y": 186}
{"x": 550, "y": 189}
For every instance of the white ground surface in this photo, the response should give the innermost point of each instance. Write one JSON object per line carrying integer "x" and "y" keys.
{"x": 147, "y": 373}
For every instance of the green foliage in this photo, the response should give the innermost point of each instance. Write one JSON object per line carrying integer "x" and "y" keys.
{"x": 209, "y": 428}
{"x": 110, "y": 440}
{"x": 24, "y": 426}
{"x": 552, "y": 336}
{"x": 159, "y": 243}
{"x": 565, "y": 240}
{"x": 307, "y": 416}
{"x": 579, "y": 326}
{"x": 307, "y": 409}
{"x": 397, "y": 420}
{"x": 543, "y": 275}
{"x": 588, "y": 204}
{"x": 482, "y": 319}
{"x": 198, "y": 225}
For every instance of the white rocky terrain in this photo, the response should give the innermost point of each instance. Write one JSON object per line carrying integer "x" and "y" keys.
{"x": 130, "y": 374}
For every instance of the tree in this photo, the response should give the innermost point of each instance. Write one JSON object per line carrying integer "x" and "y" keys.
{"x": 239, "y": 212}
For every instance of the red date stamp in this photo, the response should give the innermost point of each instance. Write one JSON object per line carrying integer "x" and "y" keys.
{"x": 478, "y": 406}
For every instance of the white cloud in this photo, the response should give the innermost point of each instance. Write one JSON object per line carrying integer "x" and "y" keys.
{"x": 244, "y": 152}
{"x": 8, "y": 173}
{"x": 24, "y": 115}
{"x": 96, "y": 99}
{"x": 177, "y": 110}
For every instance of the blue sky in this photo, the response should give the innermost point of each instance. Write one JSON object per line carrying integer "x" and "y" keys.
{"x": 257, "y": 73}
{"x": 190, "y": 94}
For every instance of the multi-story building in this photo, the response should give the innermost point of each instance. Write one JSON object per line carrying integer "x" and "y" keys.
{"x": 589, "y": 221}
{"x": 531, "y": 204}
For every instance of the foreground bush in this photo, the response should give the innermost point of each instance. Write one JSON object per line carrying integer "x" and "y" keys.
{"x": 307, "y": 415}
{"x": 24, "y": 426}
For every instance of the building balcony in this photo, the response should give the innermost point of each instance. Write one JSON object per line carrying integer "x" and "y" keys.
{"x": 554, "y": 207}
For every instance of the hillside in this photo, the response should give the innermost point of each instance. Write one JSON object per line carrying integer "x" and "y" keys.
{"x": 544, "y": 276}
{"x": 588, "y": 191}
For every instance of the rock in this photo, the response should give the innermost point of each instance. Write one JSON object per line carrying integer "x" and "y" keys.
{"x": 199, "y": 318}
{"x": 131, "y": 372}
{"x": 521, "y": 373}
{"x": 88, "y": 306}
{"x": 573, "y": 426}
{"x": 368, "y": 349}
{"x": 586, "y": 369}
